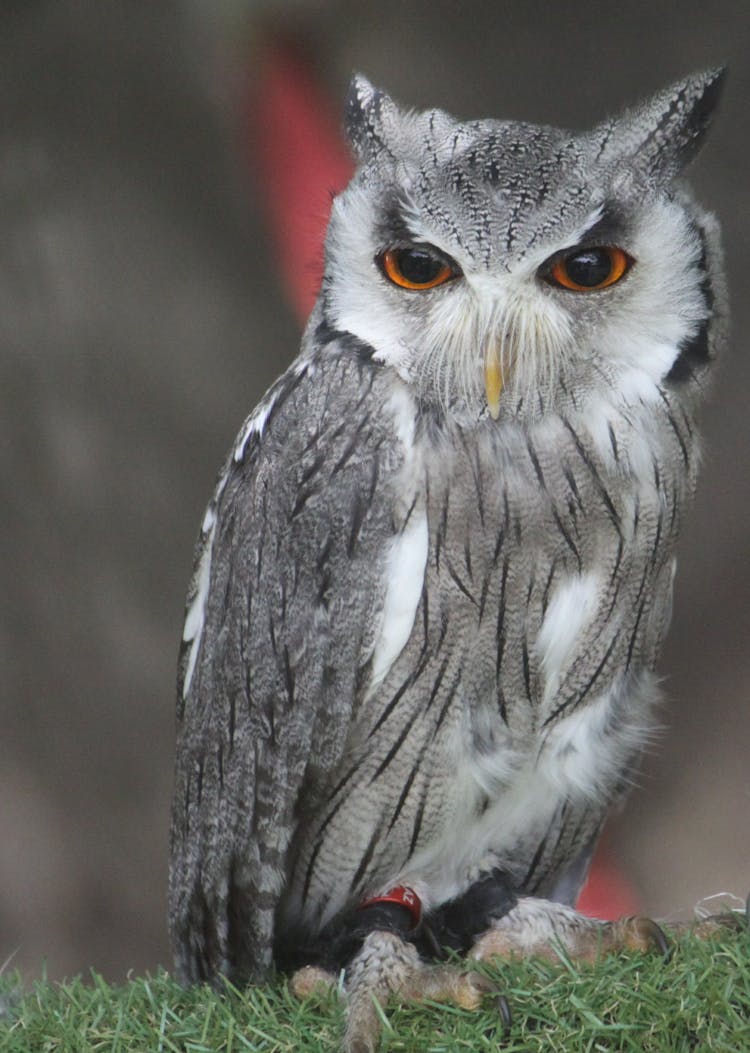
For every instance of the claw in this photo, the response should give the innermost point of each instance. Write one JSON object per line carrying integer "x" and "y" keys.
{"x": 641, "y": 934}
{"x": 503, "y": 1007}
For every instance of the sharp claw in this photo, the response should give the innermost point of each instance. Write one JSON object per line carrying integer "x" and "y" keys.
{"x": 503, "y": 1008}
{"x": 428, "y": 934}
{"x": 653, "y": 936}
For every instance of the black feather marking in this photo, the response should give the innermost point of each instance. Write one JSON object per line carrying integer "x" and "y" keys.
{"x": 343, "y": 781}
{"x": 530, "y": 589}
{"x": 548, "y": 586}
{"x": 634, "y": 637}
{"x": 315, "y": 465}
{"x": 536, "y": 464}
{"x": 406, "y": 790}
{"x": 500, "y": 631}
{"x": 442, "y": 531}
{"x": 570, "y": 479}
{"x": 675, "y": 427}
{"x": 437, "y": 682}
{"x": 617, "y": 582}
{"x": 526, "y": 667}
{"x": 599, "y": 482}
{"x": 613, "y": 442}
{"x": 385, "y": 763}
{"x": 303, "y": 496}
{"x": 328, "y": 334}
{"x": 362, "y": 505}
{"x": 446, "y": 705}
{"x": 310, "y": 869}
{"x": 393, "y": 703}
{"x": 459, "y": 583}
{"x": 353, "y": 443}
{"x": 288, "y": 677}
{"x": 366, "y": 860}
{"x": 537, "y": 857}
{"x": 485, "y": 593}
{"x": 467, "y": 557}
{"x": 499, "y": 541}
{"x": 417, "y": 825}
{"x": 577, "y": 699}
{"x": 568, "y": 539}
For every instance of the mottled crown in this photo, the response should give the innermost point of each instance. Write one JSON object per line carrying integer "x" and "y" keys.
{"x": 660, "y": 136}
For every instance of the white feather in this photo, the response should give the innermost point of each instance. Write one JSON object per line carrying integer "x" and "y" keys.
{"x": 577, "y": 759}
{"x": 407, "y": 554}
{"x": 405, "y": 566}
{"x": 196, "y": 612}
{"x": 570, "y": 610}
{"x": 254, "y": 425}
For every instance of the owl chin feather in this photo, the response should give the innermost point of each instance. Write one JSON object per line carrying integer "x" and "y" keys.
{"x": 496, "y": 357}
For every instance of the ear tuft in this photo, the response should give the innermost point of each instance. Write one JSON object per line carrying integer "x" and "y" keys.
{"x": 664, "y": 134}
{"x": 368, "y": 113}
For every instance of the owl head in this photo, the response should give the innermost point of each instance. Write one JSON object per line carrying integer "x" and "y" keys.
{"x": 498, "y": 265}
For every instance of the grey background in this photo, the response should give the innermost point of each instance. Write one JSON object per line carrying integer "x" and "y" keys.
{"x": 140, "y": 320}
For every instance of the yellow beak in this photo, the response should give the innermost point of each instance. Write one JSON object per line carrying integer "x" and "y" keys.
{"x": 493, "y": 378}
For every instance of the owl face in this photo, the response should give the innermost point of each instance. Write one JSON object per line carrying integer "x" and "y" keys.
{"x": 498, "y": 266}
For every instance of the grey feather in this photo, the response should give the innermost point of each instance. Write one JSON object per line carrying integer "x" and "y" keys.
{"x": 421, "y": 638}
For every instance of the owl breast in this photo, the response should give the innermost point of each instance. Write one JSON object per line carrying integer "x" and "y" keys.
{"x": 510, "y": 687}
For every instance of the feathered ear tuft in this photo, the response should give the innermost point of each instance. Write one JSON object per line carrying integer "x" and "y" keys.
{"x": 664, "y": 134}
{"x": 370, "y": 117}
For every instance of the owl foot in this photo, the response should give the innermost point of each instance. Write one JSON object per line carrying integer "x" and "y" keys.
{"x": 541, "y": 928}
{"x": 388, "y": 967}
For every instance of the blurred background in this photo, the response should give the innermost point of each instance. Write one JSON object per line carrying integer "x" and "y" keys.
{"x": 141, "y": 317}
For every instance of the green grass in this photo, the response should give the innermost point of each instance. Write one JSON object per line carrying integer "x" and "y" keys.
{"x": 699, "y": 1000}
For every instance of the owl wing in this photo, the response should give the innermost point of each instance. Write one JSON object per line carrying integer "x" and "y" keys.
{"x": 279, "y": 627}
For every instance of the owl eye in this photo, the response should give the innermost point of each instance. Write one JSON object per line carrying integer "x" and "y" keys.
{"x": 589, "y": 269}
{"x": 417, "y": 267}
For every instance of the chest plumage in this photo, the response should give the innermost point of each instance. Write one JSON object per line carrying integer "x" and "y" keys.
{"x": 433, "y": 581}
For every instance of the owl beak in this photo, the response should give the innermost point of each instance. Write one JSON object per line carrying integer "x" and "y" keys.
{"x": 493, "y": 377}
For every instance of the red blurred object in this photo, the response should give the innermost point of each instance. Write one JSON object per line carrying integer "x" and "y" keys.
{"x": 607, "y": 894}
{"x": 300, "y": 161}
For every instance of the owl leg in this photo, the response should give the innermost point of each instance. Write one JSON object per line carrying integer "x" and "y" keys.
{"x": 377, "y": 946}
{"x": 539, "y": 927}
{"x": 389, "y": 967}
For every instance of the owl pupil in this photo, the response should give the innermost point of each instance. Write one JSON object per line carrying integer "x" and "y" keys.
{"x": 418, "y": 266}
{"x": 589, "y": 268}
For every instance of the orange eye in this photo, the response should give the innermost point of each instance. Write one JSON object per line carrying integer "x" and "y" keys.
{"x": 588, "y": 269}
{"x": 417, "y": 268}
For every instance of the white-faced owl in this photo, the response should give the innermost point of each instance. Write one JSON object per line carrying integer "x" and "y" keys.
{"x": 433, "y": 580}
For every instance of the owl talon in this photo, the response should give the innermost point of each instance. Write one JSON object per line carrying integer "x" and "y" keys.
{"x": 388, "y": 967}
{"x": 503, "y": 1007}
{"x": 638, "y": 933}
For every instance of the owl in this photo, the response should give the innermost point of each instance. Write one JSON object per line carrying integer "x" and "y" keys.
{"x": 433, "y": 580}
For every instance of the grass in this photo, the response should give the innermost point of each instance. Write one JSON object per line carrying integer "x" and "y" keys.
{"x": 699, "y": 1000}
